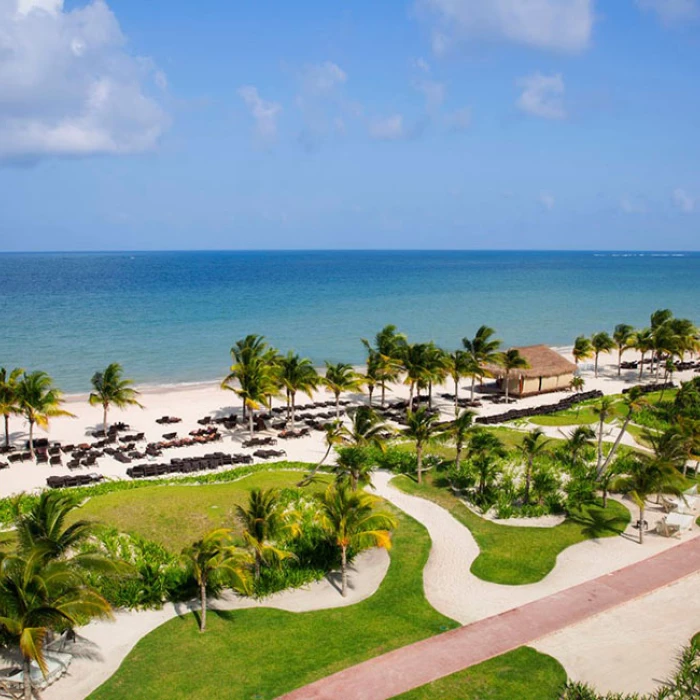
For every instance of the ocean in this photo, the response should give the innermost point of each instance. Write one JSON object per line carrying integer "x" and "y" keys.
{"x": 171, "y": 317}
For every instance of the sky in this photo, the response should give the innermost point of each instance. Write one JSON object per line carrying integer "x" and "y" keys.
{"x": 438, "y": 124}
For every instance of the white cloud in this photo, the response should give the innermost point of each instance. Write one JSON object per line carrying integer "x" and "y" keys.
{"x": 632, "y": 205}
{"x": 434, "y": 93}
{"x": 684, "y": 201}
{"x": 459, "y": 119}
{"x": 263, "y": 112}
{"x": 542, "y": 95}
{"x": 388, "y": 128}
{"x": 547, "y": 200}
{"x": 69, "y": 87}
{"x": 323, "y": 77}
{"x": 422, "y": 65}
{"x": 560, "y": 25}
{"x": 672, "y": 11}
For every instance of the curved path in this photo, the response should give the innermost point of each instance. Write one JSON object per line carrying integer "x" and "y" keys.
{"x": 423, "y": 662}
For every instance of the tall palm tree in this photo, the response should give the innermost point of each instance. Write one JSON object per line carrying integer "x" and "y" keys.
{"x": 340, "y": 377}
{"x": 643, "y": 343}
{"x": 388, "y": 352}
{"x": 215, "y": 560}
{"x": 296, "y": 374}
{"x": 582, "y": 350}
{"x": 643, "y": 476}
{"x": 334, "y": 433}
{"x": 459, "y": 430}
{"x": 482, "y": 349}
{"x": 39, "y": 401}
{"x": 603, "y": 411}
{"x": 510, "y": 360}
{"x": 457, "y": 364}
{"x": 353, "y": 467}
{"x": 623, "y": 336}
{"x": 634, "y": 400}
{"x": 415, "y": 366}
{"x": 262, "y": 523}
{"x": 533, "y": 446}
{"x": 366, "y": 428}
{"x": 9, "y": 397}
{"x": 110, "y": 389}
{"x": 485, "y": 449}
{"x": 423, "y": 428}
{"x": 601, "y": 342}
{"x": 37, "y": 597}
{"x": 256, "y": 382}
{"x": 350, "y": 519}
{"x": 372, "y": 375}
{"x": 436, "y": 365}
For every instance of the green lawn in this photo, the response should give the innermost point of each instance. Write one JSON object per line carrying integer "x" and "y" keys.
{"x": 520, "y": 555}
{"x": 175, "y": 515}
{"x": 263, "y": 653}
{"x": 522, "y": 674}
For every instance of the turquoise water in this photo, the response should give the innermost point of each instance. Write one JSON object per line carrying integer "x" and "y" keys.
{"x": 172, "y": 317}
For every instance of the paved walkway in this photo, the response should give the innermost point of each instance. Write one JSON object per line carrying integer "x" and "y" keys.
{"x": 423, "y": 662}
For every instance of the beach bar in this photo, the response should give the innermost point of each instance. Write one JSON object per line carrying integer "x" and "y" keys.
{"x": 548, "y": 371}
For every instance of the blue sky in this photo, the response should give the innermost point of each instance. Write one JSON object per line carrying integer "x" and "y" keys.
{"x": 401, "y": 124}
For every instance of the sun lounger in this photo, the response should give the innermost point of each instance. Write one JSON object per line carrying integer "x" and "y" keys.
{"x": 683, "y": 521}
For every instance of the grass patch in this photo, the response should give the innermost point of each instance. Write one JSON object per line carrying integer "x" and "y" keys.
{"x": 523, "y": 673}
{"x": 174, "y": 514}
{"x": 521, "y": 555}
{"x": 263, "y": 653}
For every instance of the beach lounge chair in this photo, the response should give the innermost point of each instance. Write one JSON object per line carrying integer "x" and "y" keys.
{"x": 57, "y": 664}
{"x": 681, "y": 520}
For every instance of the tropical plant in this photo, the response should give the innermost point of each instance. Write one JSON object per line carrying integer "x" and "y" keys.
{"x": 577, "y": 383}
{"x": 533, "y": 446}
{"x": 483, "y": 452}
{"x": 482, "y": 350}
{"x": 633, "y": 401}
{"x": 262, "y": 523}
{"x": 215, "y": 560}
{"x": 386, "y": 356}
{"x": 39, "y": 401}
{"x": 436, "y": 364}
{"x": 351, "y": 521}
{"x": 601, "y": 342}
{"x": 457, "y": 364}
{"x": 643, "y": 343}
{"x": 415, "y": 366}
{"x": 247, "y": 352}
{"x": 296, "y": 374}
{"x": 110, "y": 389}
{"x": 623, "y": 337}
{"x": 423, "y": 428}
{"x": 688, "y": 431}
{"x": 580, "y": 438}
{"x": 366, "y": 428}
{"x": 9, "y": 397}
{"x": 510, "y": 360}
{"x": 353, "y": 467}
{"x": 334, "y": 433}
{"x": 340, "y": 377}
{"x": 372, "y": 374}
{"x": 36, "y": 598}
{"x": 603, "y": 411}
{"x": 459, "y": 431}
{"x": 582, "y": 349}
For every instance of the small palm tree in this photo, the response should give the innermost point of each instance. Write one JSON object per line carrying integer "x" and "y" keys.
{"x": 643, "y": 343}
{"x": 457, "y": 367}
{"x": 248, "y": 352}
{"x": 340, "y": 377}
{"x": 38, "y": 597}
{"x": 214, "y": 560}
{"x": 581, "y": 437}
{"x": 482, "y": 349}
{"x": 601, "y": 342}
{"x": 415, "y": 365}
{"x": 257, "y": 381}
{"x": 533, "y": 446}
{"x": 9, "y": 397}
{"x": 624, "y": 338}
{"x": 459, "y": 430}
{"x": 423, "y": 428}
{"x": 353, "y": 467}
{"x": 436, "y": 365}
{"x": 110, "y": 389}
{"x": 510, "y": 360}
{"x": 386, "y": 356}
{"x": 485, "y": 449}
{"x": 333, "y": 434}
{"x": 296, "y": 374}
{"x": 350, "y": 519}
{"x": 372, "y": 375}
{"x": 577, "y": 384}
{"x": 583, "y": 349}
{"x": 262, "y": 523}
{"x": 39, "y": 401}
{"x": 366, "y": 428}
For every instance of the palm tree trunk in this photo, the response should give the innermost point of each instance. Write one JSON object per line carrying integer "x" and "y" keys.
{"x": 419, "y": 462}
{"x": 596, "y": 365}
{"x": 27, "y": 679}
{"x": 370, "y": 391}
{"x": 616, "y": 444}
{"x": 203, "y": 606}
{"x": 293, "y": 407}
{"x": 337, "y": 406}
{"x": 244, "y": 409}
{"x": 430, "y": 394}
{"x": 31, "y": 438}
{"x": 619, "y": 363}
{"x": 456, "y": 390}
{"x": 599, "y": 461}
{"x": 410, "y": 398}
{"x": 343, "y": 571}
{"x": 383, "y": 393}
{"x": 258, "y": 565}
{"x": 528, "y": 478}
{"x": 641, "y": 524}
{"x": 289, "y": 406}
{"x": 458, "y": 455}
{"x": 507, "y": 383}
{"x": 104, "y": 418}
{"x": 7, "y": 430}
{"x": 251, "y": 426}
{"x": 472, "y": 389}
{"x": 641, "y": 366}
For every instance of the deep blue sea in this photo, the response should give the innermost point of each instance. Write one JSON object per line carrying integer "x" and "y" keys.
{"x": 171, "y": 317}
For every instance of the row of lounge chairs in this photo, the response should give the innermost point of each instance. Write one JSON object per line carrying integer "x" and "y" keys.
{"x": 519, "y": 413}
{"x": 269, "y": 454}
{"x": 188, "y": 465}
{"x": 649, "y": 388}
{"x": 293, "y": 434}
{"x": 259, "y": 441}
{"x": 62, "y": 482}
{"x": 167, "y": 420}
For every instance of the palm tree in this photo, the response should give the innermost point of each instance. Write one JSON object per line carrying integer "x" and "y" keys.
{"x": 296, "y": 374}
{"x": 333, "y": 434}
{"x": 423, "y": 428}
{"x": 533, "y": 446}
{"x": 262, "y": 522}
{"x": 353, "y": 467}
{"x": 688, "y": 430}
{"x": 350, "y": 519}
{"x": 39, "y": 401}
{"x": 643, "y": 476}
{"x": 603, "y": 411}
{"x": 623, "y": 336}
{"x": 577, "y": 384}
{"x": 9, "y": 397}
{"x": 578, "y": 440}
{"x": 633, "y": 401}
{"x": 340, "y": 377}
{"x": 37, "y": 597}
{"x": 484, "y": 449}
{"x": 582, "y": 349}
{"x": 436, "y": 365}
{"x": 481, "y": 350}
{"x": 372, "y": 374}
{"x": 643, "y": 343}
{"x": 601, "y": 342}
{"x": 215, "y": 560}
{"x": 415, "y": 366}
{"x": 245, "y": 353}
{"x": 112, "y": 390}
{"x": 457, "y": 367}
{"x": 459, "y": 430}
{"x": 510, "y": 360}
{"x": 257, "y": 381}
{"x": 366, "y": 428}
{"x": 387, "y": 355}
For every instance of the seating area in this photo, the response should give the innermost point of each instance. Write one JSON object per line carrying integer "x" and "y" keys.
{"x": 188, "y": 465}
{"x": 269, "y": 454}
{"x": 259, "y": 441}
{"x": 520, "y": 413}
{"x": 681, "y": 513}
{"x": 62, "y": 482}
